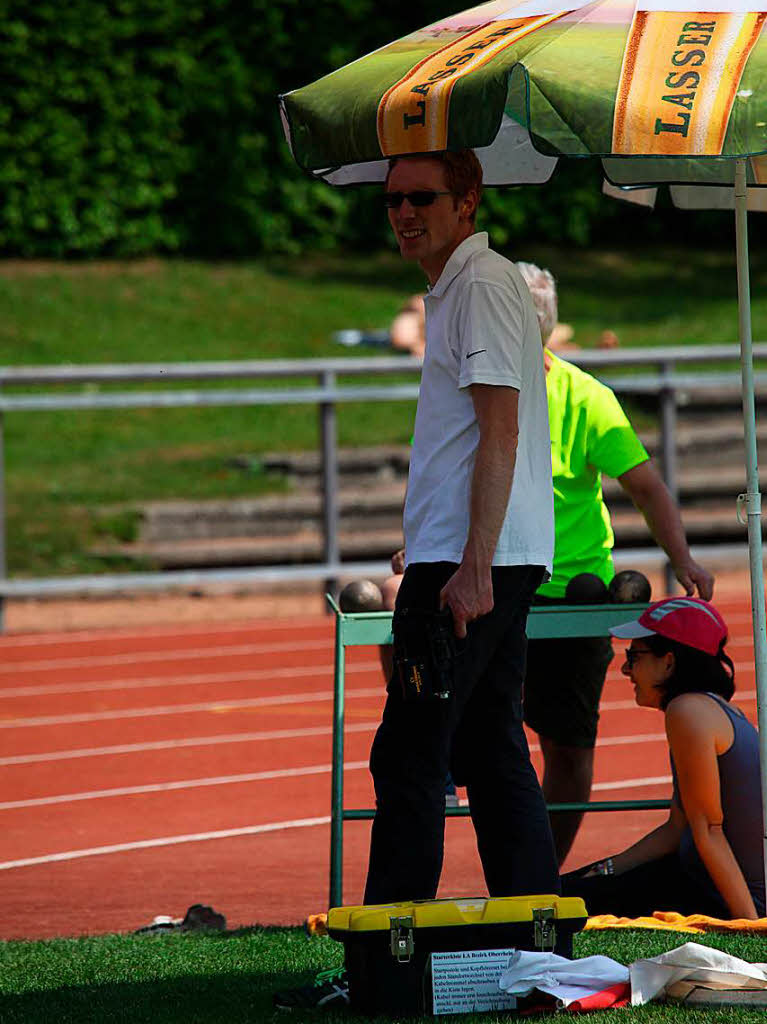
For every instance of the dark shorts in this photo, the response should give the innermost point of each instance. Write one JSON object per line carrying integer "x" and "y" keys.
{"x": 660, "y": 884}
{"x": 563, "y": 686}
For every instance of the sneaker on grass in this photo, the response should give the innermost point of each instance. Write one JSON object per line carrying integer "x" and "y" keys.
{"x": 328, "y": 991}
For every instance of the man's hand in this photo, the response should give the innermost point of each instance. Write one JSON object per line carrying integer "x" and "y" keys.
{"x": 398, "y": 562}
{"x": 469, "y": 594}
{"x": 692, "y": 576}
{"x": 645, "y": 487}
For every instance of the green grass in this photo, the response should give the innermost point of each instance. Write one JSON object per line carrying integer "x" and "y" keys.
{"x": 193, "y": 979}
{"x": 74, "y": 479}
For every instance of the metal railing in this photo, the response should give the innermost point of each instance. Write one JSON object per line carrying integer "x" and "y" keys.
{"x": 366, "y": 628}
{"x": 19, "y": 394}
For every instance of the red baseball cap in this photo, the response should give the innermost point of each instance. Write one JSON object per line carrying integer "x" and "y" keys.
{"x": 688, "y": 620}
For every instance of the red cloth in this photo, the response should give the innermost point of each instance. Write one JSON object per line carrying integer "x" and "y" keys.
{"x": 612, "y": 997}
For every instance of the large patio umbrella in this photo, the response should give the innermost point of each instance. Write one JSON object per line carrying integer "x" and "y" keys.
{"x": 667, "y": 91}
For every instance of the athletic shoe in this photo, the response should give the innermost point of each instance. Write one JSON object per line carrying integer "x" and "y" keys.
{"x": 203, "y": 918}
{"x": 329, "y": 990}
{"x": 161, "y": 923}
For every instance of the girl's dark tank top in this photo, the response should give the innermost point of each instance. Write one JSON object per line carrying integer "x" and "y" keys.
{"x": 741, "y": 796}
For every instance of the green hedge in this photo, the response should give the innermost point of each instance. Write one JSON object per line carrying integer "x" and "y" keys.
{"x": 146, "y": 126}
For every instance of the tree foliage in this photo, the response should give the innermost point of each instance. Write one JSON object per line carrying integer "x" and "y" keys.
{"x": 146, "y": 126}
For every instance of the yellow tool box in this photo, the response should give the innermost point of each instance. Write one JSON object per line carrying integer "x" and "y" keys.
{"x": 387, "y": 947}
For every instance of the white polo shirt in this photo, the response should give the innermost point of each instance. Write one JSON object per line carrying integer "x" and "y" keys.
{"x": 481, "y": 328}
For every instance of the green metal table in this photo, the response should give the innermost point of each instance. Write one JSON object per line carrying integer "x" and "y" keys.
{"x": 374, "y": 628}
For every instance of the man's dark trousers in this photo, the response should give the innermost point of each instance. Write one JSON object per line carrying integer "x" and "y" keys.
{"x": 477, "y": 735}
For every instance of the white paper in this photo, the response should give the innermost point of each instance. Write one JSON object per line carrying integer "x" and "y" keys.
{"x": 467, "y": 982}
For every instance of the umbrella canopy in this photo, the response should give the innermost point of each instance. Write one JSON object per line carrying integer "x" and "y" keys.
{"x": 662, "y": 91}
{"x": 662, "y": 94}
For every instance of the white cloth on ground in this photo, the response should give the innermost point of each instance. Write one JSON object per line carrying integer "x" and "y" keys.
{"x": 566, "y": 980}
{"x": 692, "y": 962}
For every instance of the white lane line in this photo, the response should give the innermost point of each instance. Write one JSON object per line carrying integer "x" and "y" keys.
{"x": 254, "y": 737}
{"x": 80, "y": 636}
{"x": 285, "y": 734}
{"x": 181, "y": 709}
{"x": 180, "y": 654}
{"x": 274, "y": 826}
{"x": 166, "y": 787}
{"x": 741, "y": 697}
{"x": 649, "y": 780}
{"x": 145, "y": 844}
{"x": 621, "y": 741}
{"x": 226, "y": 780}
{"x": 734, "y": 618}
{"x": 192, "y": 741}
{"x": 244, "y": 675}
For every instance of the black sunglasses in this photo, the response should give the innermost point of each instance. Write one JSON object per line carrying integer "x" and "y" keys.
{"x": 423, "y": 197}
{"x": 632, "y": 656}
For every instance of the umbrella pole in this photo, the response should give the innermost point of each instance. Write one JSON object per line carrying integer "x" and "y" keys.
{"x": 752, "y": 499}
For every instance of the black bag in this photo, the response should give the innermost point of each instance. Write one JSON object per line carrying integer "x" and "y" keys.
{"x": 425, "y": 653}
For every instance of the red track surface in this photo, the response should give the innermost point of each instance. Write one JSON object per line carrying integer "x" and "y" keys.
{"x": 145, "y": 770}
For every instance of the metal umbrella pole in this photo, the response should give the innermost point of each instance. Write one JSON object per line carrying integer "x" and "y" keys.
{"x": 751, "y": 501}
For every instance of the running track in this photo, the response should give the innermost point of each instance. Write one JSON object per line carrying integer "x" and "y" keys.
{"x": 144, "y": 770}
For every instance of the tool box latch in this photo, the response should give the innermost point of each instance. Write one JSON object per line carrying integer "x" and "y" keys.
{"x": 402, "y": 944}
{"x": 545, "y": 929}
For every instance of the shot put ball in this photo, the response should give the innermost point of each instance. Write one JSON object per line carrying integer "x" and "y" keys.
{"x": 630, "y": 587}
{"x": 360, "y": 596}
{"x": 586, "y": 588}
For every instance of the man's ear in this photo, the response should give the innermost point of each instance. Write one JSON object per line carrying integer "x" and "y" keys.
{"x": 469, "y": 204}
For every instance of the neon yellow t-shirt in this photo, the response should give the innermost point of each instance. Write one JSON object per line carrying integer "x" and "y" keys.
{"x": 590, "y": 435}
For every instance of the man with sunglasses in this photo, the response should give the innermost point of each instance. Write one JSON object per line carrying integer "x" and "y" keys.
{"x": 479, "y": 538}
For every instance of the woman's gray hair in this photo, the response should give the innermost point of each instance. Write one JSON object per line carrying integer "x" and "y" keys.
{"x": 543, "y": 289}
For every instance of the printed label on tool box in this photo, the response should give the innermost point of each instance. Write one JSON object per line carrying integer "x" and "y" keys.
{"x": 468, "y": 982}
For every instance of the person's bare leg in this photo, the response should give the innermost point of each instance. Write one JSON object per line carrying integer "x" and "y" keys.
{"x": 389, "y": 590}
{"x": 567, "y": 775}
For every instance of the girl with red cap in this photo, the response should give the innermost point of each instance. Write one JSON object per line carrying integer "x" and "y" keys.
{"x": 707, "y": 858}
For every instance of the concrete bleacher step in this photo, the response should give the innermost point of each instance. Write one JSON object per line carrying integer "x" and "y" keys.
{"x": 286, "y": 528}
{"x": 709, "y": 524}
{"x": 382, "y": 461}
{"x": 372, "y": 507}
{"x": 273, "y": 515}
{"x": 301, "y": 547}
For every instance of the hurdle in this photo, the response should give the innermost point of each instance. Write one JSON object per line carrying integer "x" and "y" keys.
{"x": 361, "y": 629}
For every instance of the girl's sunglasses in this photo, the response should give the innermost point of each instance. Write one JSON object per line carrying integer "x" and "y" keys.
{"x": 423, "y": 197}
{"x": 632, "y": 656}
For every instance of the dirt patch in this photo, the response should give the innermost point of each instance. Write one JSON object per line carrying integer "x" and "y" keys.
{"x": 34, "y": 615}
{"x": 74, "y": 268}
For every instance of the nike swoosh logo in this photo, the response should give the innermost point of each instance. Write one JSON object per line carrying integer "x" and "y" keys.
{"x": 476, "y": 352}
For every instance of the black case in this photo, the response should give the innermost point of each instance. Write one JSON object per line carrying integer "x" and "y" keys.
{"x": 387, "y": 947}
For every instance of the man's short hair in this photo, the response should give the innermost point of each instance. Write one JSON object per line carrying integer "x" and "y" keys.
{"x": 463, "y": 171}
{"x": 543, "y": 289}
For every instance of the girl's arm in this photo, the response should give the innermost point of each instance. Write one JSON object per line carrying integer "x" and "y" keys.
{"x": 656, "y": 844}
{"x": 696, "y": 733}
